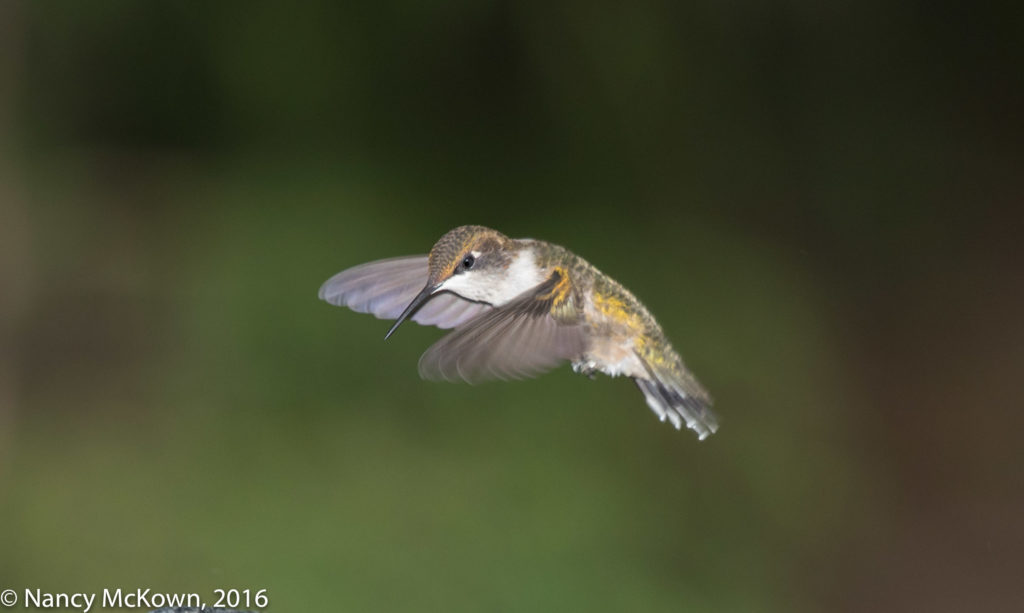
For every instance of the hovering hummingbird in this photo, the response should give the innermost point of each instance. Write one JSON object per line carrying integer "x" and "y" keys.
{"x": 520, "y": 307}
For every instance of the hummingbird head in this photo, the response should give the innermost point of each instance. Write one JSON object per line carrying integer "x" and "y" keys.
{"x": 474, "y": 262}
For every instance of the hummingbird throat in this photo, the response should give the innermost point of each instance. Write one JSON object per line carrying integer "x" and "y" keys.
{"x": 499, "y": 286}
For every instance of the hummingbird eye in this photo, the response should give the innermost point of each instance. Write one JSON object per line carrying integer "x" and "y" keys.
{"x": 468, "y": 261}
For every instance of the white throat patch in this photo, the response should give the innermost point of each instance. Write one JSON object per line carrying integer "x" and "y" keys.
{"x": 497, "y": 287}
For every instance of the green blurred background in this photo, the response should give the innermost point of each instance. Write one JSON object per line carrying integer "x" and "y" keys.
{"x": 820, "y": 201}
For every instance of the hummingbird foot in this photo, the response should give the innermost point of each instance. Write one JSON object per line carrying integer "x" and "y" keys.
{"x": 587, "y": 369}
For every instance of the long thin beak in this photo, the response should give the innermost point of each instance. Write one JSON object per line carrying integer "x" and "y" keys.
{"x": 416, "y": 303}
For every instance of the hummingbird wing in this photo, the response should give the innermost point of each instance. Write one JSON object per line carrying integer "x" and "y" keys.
{"x": 385, "y": 287}
{"x": 520, "y": 339}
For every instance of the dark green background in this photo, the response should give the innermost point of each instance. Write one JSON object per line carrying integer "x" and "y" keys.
{"x": 820, "y": 201}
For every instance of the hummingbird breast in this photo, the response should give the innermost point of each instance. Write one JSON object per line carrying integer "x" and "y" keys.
{"x": 617, "y": 331}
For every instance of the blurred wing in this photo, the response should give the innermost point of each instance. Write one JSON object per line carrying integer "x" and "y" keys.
{"x": 520, "y": 339}
{"x": 385, "y": 287}
{"x": 447, "y": 310}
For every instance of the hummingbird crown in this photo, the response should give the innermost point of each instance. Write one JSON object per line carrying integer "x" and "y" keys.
{"x": 461, "y": 249}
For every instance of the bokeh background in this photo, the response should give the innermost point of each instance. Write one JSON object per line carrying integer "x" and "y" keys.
{"x": 820, "y": 201}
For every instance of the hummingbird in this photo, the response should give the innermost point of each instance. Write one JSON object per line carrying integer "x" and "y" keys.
{"x": 520, "y": 307}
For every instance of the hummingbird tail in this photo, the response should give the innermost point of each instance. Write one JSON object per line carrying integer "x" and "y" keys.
{"x": 669, "y": 399}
